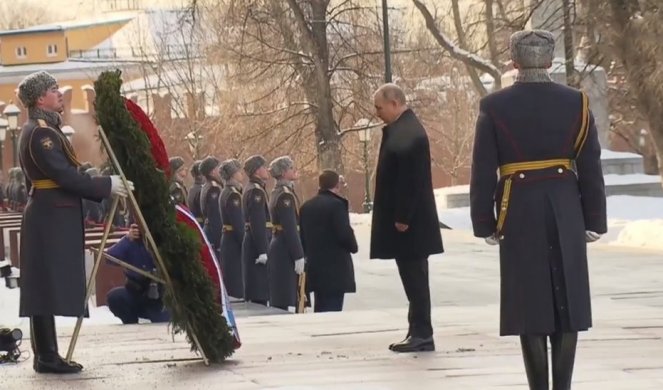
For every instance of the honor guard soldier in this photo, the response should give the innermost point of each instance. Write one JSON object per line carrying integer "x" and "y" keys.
{"x": 286, "y": 255}
{"x": 232, "y": 232}
{"x": 20, "y": 191}
{"x": 550, "y": 200}
{"x": 209, "y": 202}
{"x": 177, "y": 189}
{"x": 11, "y": 192}
{"x": 258, "y": 231}
{"x": 53, "y": 269}
{"x": 193, "y": 200}
{"x": 93, "y": 211}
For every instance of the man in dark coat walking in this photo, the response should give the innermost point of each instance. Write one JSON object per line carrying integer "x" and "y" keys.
{"x": 286, "y": 255}
{"x": 328, "y": 241}
{"x": 193, "y": 199}
{"x": 550, "y": 200}
{"x": 258, "y": 231}
{"x": 52, "y": 233}
{"x": 405, "y": 225}
{"x": 232, "y": 232}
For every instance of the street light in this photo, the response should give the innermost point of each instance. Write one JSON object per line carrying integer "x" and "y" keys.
{"x": 364, "y": 126}
{"x": 12, "y": 112}
{"x": 68, "y": 132}
{"x": 4, "y": 124}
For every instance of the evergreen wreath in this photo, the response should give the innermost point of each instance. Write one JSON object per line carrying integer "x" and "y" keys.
{"x": 193, "y": 307}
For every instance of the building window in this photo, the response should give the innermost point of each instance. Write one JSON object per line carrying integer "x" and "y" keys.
{"x": 52, "y": 50}
{"x": 21, "y": 52}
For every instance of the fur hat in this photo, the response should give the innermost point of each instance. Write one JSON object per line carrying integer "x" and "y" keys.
{"x": 532, "y": 49}
{"x": 229, "y": 168}
{"x": 93, "y": 172}
{"x": 253, "y": 163}
{"x": 279, "y": 165}
{"x": 176, "y": 163}
{"x": 34, "y": 86}
{"x": 207, "y": 165}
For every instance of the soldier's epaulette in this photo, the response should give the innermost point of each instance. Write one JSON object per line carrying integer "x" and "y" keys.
{"x": 235, "y": 190}
{"x": 287, "y": 190}
{"x": 214, "y": 184}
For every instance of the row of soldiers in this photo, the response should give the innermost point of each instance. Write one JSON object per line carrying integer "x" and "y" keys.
{"x": 255, "y": 234}
{"x": 14, "y": 194}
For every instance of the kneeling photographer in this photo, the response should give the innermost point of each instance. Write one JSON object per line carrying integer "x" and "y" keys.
{"x": 140, "y": 297}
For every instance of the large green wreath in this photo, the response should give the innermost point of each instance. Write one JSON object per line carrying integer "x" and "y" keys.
{"x": 193, "y": 306}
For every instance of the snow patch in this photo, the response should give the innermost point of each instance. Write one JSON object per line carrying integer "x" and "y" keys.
{"x": 612, "y": 155}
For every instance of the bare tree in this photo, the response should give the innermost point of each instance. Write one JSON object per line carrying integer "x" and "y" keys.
{"x": 636, "y": 27}
{"x": 21, "y": 14}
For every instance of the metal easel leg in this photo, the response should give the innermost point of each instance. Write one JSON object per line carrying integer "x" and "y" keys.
{"x": 93, "y": 276}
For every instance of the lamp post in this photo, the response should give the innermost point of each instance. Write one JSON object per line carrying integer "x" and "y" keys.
{"x": 3, "y": 135}
{"x": 68, "y": 132}
{"x": 12, "y": 112}
{"x": 365, "y": 138}
{"x": 387, "y": 46}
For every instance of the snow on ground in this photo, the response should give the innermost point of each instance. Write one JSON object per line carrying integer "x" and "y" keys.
{"x": 612, "y": 155}
{"x": 9, "y": 302}
{"x": 635, "y": 221}
{"x": 633, "y": 178}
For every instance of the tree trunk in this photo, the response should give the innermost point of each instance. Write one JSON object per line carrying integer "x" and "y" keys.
{"x": 318, "y": 88}
{"x": 635, "y": 36}
{"x": 572, "y": 78}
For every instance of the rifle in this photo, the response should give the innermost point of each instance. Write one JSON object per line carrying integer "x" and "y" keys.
{"x": 301, "y": 293}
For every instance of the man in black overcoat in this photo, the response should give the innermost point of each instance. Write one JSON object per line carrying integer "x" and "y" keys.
{"x": 52, "y": 233}
{"x": 405, "y": 225}
{"x": 550, "y": 201}
{"x": 328, "y": 241}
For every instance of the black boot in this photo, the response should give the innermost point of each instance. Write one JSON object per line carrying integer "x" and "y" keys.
{"x": 45, "y": 348}
{"x": 563, "y": 347}
{"x": 535, "y": 354}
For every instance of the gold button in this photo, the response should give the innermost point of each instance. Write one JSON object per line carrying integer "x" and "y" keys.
{"x": 522, "y": 175}
{"x": 560, "y": 170}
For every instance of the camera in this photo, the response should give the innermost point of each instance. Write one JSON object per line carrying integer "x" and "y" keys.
{"x": 153, "y": 290}
{"x": 9, "y": 339}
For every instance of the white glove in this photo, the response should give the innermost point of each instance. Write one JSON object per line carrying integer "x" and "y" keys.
{"x": 118, "y": 188}
{"x": 591, "y": 236}
{"x": 299, "y": 266}
{"x": 262, "y": 259}
{"x": 492, "y": 240}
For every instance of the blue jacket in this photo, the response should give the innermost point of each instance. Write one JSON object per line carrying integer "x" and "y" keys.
{"x": 134, "y": 253}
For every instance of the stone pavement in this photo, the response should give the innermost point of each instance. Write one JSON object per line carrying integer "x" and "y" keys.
{"x": 348, "y": 350}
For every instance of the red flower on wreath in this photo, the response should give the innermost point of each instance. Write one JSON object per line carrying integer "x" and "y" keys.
{"x": 158, "y": 149}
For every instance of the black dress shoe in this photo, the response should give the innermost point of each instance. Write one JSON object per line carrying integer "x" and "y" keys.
{"x": 391, "y": 346}
{"x": 414, "y": 344}
{"x": 55, "y": 365}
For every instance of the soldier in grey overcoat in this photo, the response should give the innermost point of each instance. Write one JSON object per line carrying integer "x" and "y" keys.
{"x": 177, "y": 189}
{"x": 209, "y": 202}
{"x": 193, "y": 199}
{"x": 550, "y": 200}
{"x": 52, "y": 233}
{"x": 286, "y": 255}
{"x": 232, "y": 233}
{"x": 258, "y": 231}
